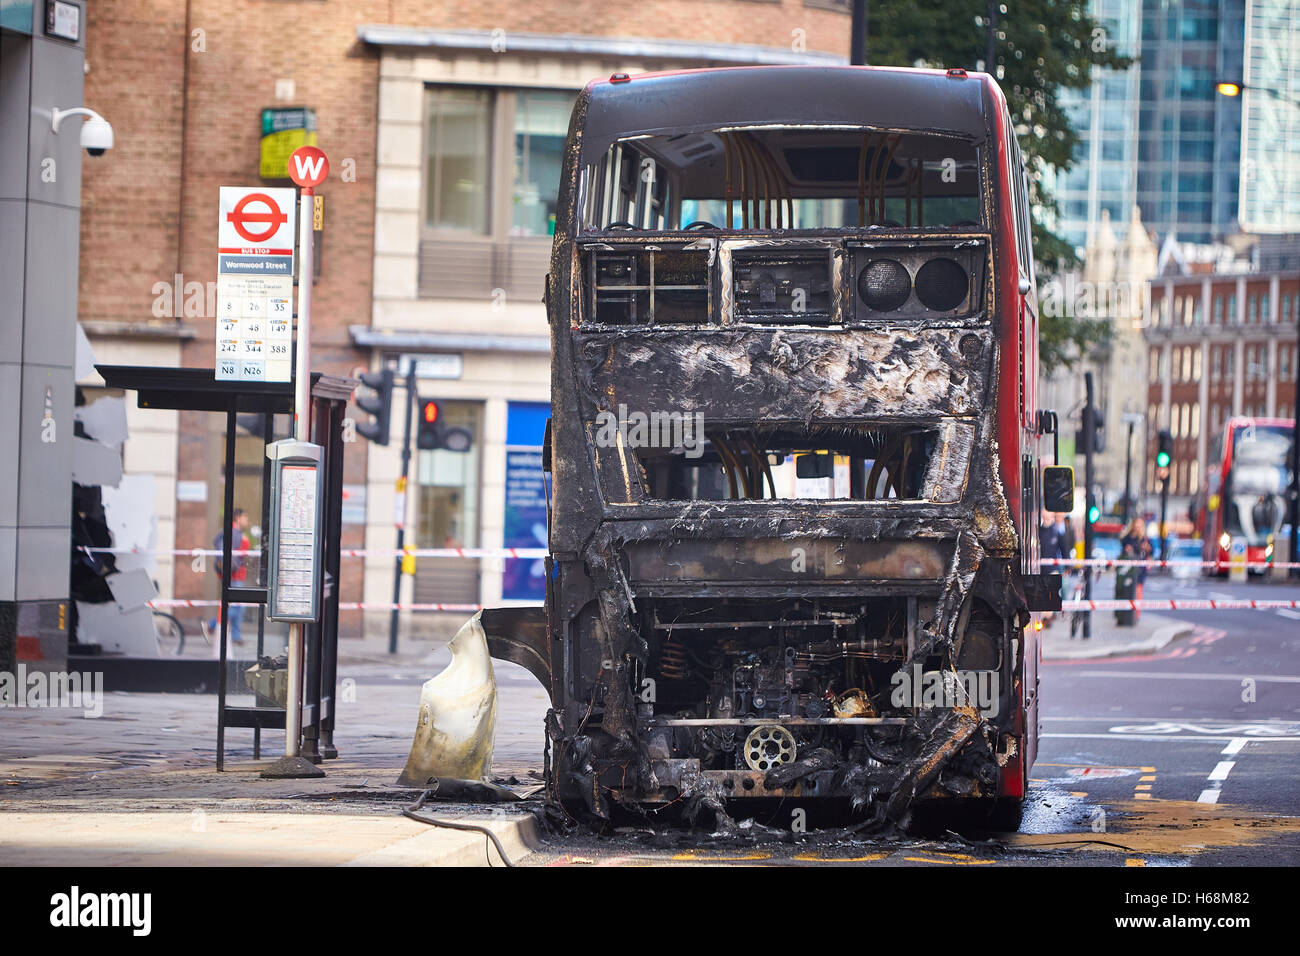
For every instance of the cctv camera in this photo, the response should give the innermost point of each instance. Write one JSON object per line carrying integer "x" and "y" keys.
{"x": 96, "y": 136}
{"x": 96, "y": 133}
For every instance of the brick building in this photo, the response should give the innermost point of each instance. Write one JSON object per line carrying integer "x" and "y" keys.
{"x": 1219, "y": 344}
{"x": 443, "y": 123}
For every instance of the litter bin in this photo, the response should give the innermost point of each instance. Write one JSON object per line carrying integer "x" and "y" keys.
{"x": 1126, "y": 590}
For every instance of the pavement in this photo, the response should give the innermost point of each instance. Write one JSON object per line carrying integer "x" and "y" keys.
{"x": 138, "y": 784}
{"x": 1150, "y": 633}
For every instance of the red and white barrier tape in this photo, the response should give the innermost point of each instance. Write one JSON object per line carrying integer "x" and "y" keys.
{"x": 542, "y": 552}
{"x": 345, "y": 552}
{"x": 1157, "y": 563}
{"x": 343, "y": 605}
{"x": 1195, "y": 604}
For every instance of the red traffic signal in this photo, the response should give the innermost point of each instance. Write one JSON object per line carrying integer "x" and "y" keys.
{"x": 434, "y": 433}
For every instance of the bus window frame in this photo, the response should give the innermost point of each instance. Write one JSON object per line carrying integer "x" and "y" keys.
{"x": 591, "y": 181}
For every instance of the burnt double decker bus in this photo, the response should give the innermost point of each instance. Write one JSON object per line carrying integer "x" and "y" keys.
{"x": 796, "y": 490}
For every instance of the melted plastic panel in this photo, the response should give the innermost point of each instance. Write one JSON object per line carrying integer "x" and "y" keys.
{"x": 736, "y": 375}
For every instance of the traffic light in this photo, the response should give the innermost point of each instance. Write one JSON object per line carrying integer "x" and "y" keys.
{"x": 1164, "y": 454}
{"x": 1098, "y": 442}
{"x": 379, "y": 405}
{"x": 1093, "y": 514}
{"x": 435, "y": 433}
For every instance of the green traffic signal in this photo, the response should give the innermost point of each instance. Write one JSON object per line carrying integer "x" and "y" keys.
{"x": 1093, "y": 514}
{"x": 1162, "y": 459}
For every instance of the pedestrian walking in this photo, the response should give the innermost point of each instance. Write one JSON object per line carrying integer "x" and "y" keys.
{"x": 238, "y": 575}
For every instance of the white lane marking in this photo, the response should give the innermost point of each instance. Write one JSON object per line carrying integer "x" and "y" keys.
{"x": 1278, "y": 721}
{"x": 1222, "y": 769}
{"x": 1173, "y": 727}
{"x": 1287, "y": 612}
{"x": 1159, "y": 675}
{"x": 1220, "y": 596}
{"x": 1220, "y": 773}
{"x": 1201, "y": 737}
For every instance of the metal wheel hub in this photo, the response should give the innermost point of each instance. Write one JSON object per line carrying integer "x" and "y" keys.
{"x": 768, "y": 746}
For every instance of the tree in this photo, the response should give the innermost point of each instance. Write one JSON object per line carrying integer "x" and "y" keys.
{"x": 1042, "y": 47}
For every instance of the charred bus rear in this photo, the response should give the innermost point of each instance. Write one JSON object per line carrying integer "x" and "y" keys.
{"x": 792, "y": 446}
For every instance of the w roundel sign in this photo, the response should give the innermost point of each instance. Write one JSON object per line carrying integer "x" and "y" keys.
{"x": 308, "y": 166}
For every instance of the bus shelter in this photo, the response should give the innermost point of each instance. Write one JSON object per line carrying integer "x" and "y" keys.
{"x": 190, "y": 389}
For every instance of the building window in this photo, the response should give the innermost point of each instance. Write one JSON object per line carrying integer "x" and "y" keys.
{"x": 1216, "y": 370}
{"x": 457, "y": 163}
{"x": 1218, "y": 310}
{"x": 447, "y": 489}
{"x": 1196, "y": 365}
{"x": 1232, "y": 308}
{"x": 1263, "y": 307}
{"x": 1155, "y": 368}
{"x": 541, "y": 124}
{"x": 1285, "y": 315}
{"x": 1196, "y": 421}
{"x": 491, "y": 182}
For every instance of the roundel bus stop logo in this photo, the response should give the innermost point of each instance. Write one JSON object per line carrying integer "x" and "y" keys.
{"x": 256, "y": 222}
{"x": 257, "y": 217}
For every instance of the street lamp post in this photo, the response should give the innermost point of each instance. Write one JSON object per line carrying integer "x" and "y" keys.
{"x": 1232, "y": 88}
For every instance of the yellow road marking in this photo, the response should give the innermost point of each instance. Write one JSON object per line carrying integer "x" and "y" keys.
{"x": 966, "y": 862}
{"x": 1134, "y": 861}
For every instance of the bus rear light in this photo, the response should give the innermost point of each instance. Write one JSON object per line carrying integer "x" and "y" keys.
{"x": 923, "y": 281}
{"x": 942, "y": 285}
{"x": 884, "y": 285}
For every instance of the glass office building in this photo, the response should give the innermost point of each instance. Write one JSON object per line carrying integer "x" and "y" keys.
{"x": 1270, "y": 170}
{"x": 1105, "y": 116}
{"x": 1189, "y": 137}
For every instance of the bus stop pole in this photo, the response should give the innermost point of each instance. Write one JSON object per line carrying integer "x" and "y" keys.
{"x": 302, "y": 432}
